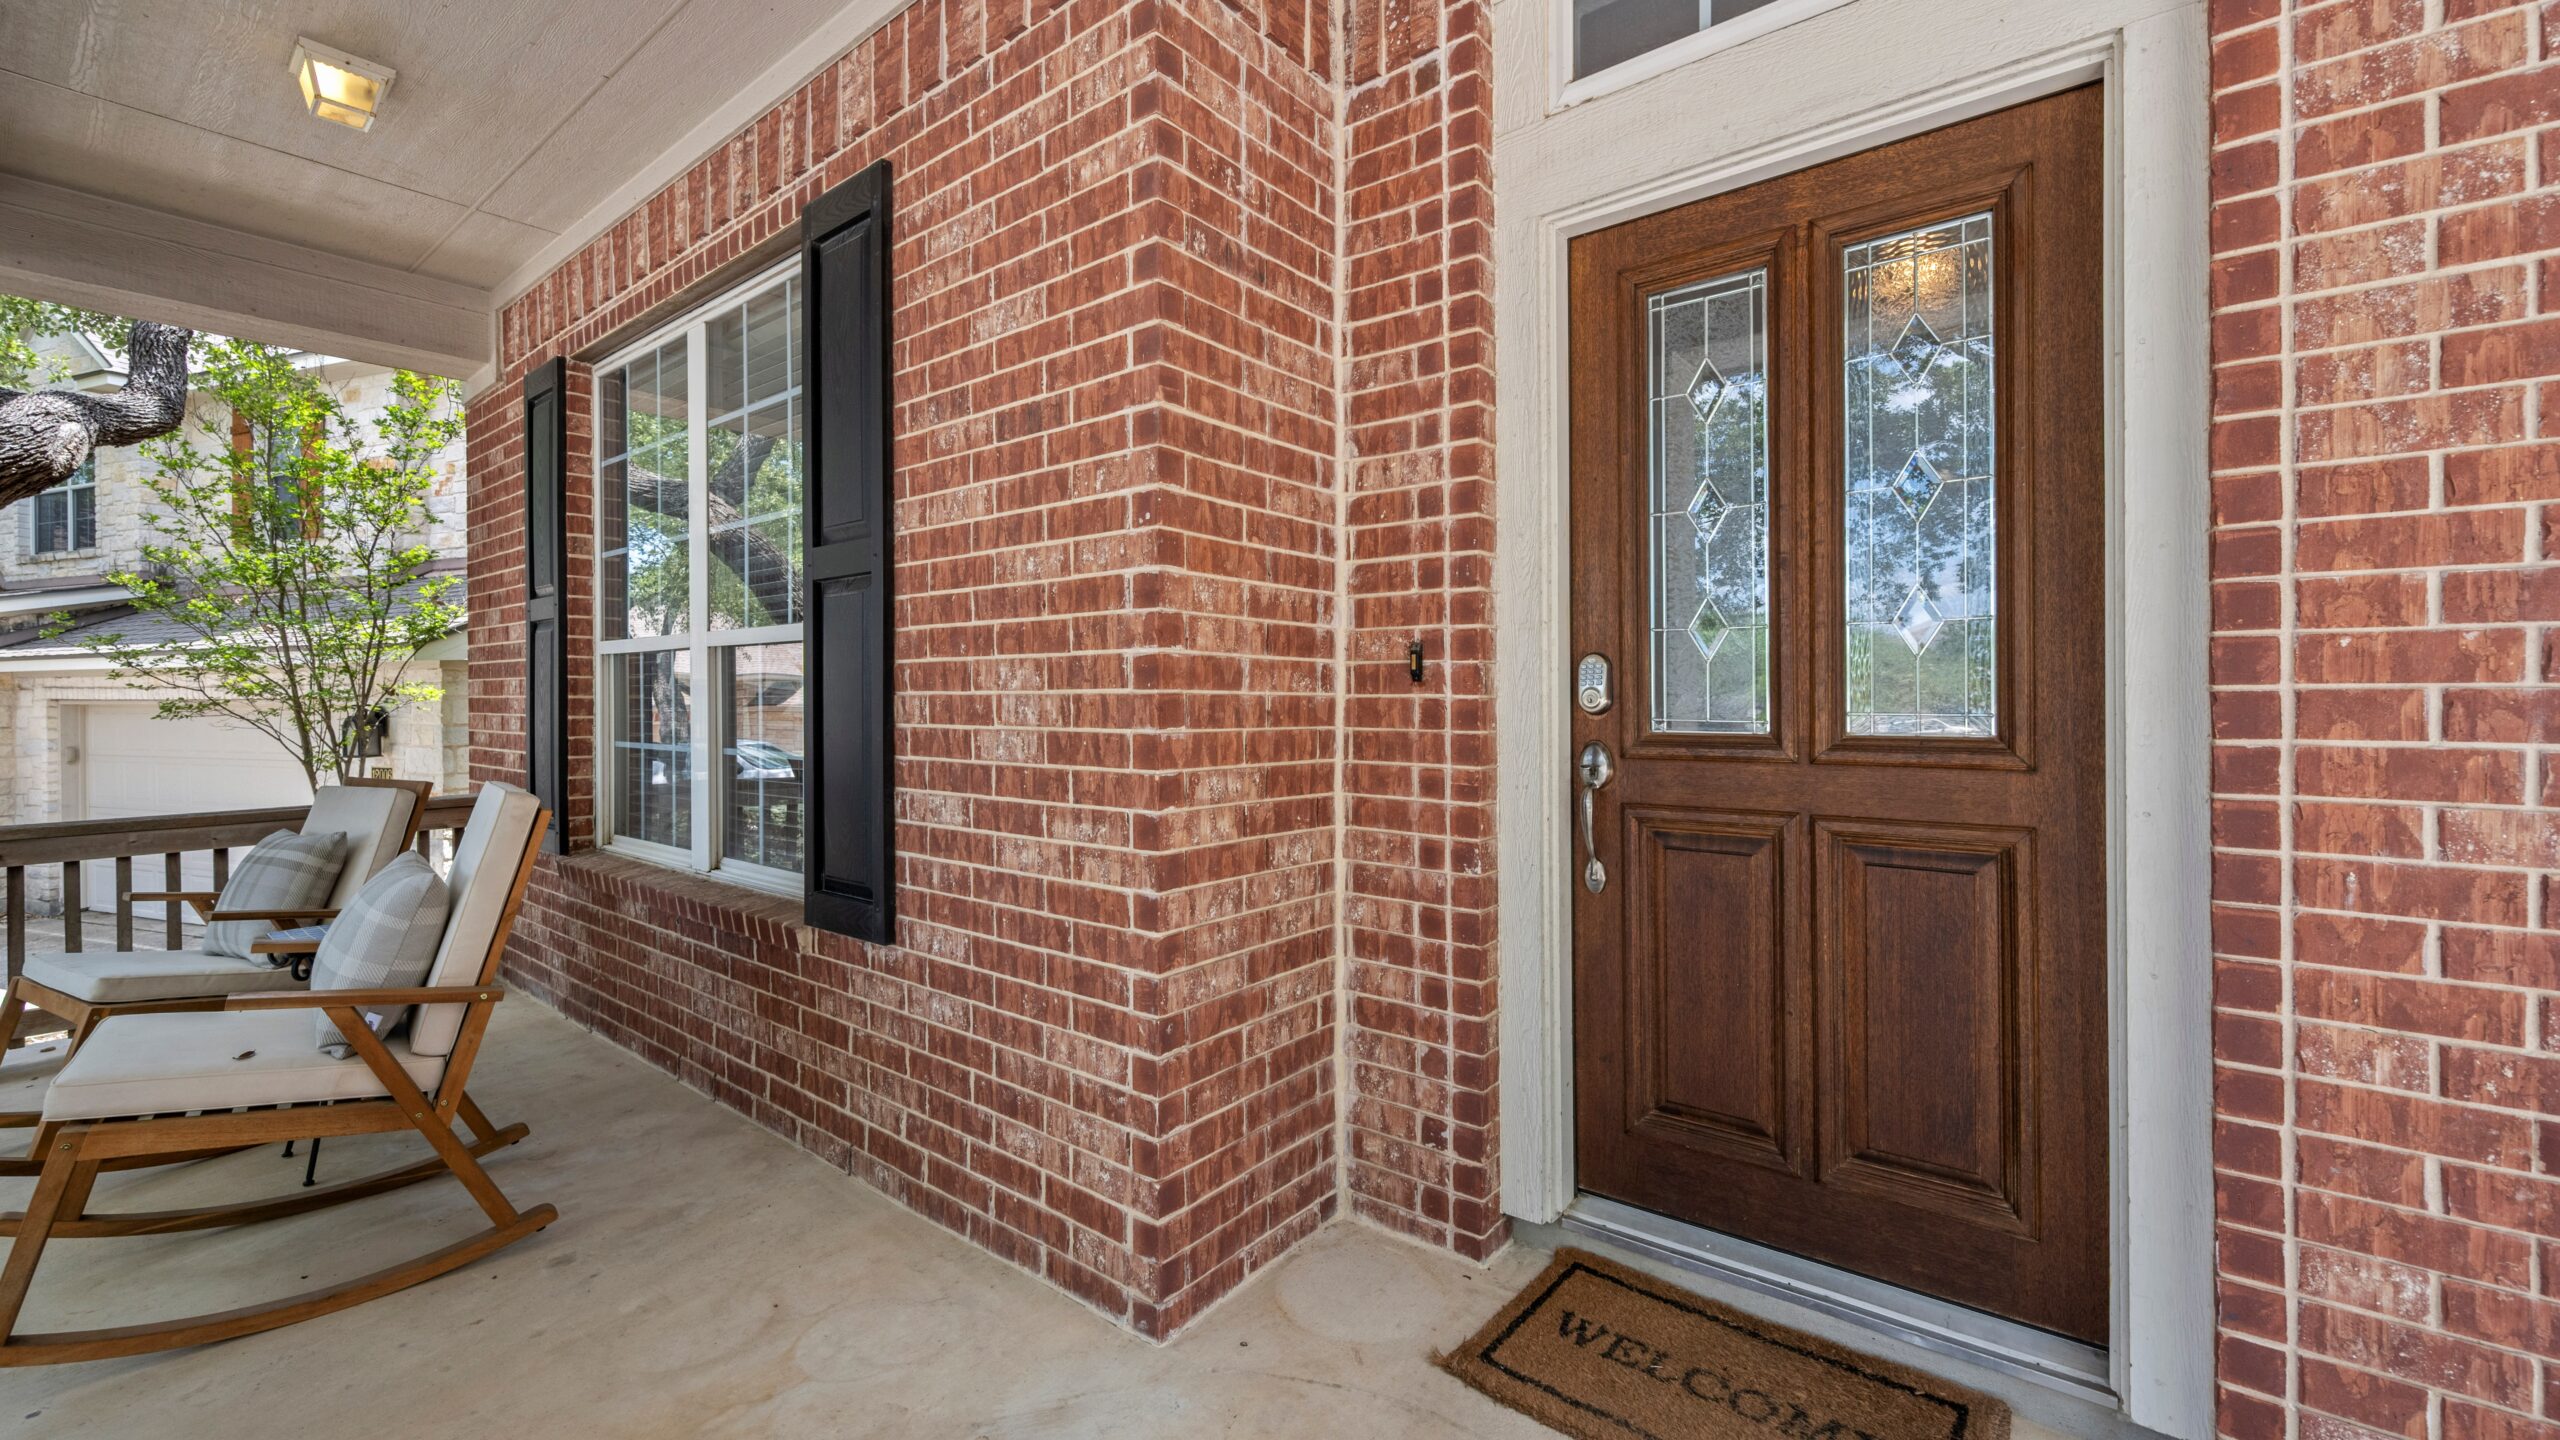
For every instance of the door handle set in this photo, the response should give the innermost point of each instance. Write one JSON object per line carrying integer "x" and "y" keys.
{"x": 1593, "y": 691}
{"x": 1596, "y": 770}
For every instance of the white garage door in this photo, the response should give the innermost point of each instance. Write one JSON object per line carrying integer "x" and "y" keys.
{"x": 130, "y": 764}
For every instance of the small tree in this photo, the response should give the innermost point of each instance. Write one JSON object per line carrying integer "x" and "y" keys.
{"x": 289, "y": 576}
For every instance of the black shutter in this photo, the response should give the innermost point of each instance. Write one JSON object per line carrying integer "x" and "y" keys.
{"x": 546, "y": 543}
{"x": 850, "y": 830}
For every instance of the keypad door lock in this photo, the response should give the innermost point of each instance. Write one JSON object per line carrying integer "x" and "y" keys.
{"x": 1591, "y": 684}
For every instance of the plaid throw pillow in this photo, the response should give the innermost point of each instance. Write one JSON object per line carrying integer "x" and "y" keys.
{"x": 385, "y": 939}
{"x": 281, "y": 872}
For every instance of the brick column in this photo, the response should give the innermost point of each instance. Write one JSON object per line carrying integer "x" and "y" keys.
{"x": 2383, "y": 291}
{"x": 1104, "y": 1046}
{"x": 1418, "y": 903}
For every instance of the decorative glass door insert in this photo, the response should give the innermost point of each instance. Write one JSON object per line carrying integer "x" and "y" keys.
{"x": 1918, "y": 421}
{"x": 1708, "y": 414}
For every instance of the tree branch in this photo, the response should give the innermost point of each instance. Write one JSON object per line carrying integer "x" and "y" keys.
{"x": 770, "y": 571}
{"x": 46, "y": 434}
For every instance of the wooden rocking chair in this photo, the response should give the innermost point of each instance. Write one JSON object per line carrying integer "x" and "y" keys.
{"x": 155, "y": 1088}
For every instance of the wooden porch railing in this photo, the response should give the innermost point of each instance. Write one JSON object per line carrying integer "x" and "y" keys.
{"x": 171, "y": 838}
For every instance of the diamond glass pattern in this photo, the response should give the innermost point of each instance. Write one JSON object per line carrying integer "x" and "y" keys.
{"x": 1707, "y": 391}
{"x": 1709, "y": 631}
{"x": 1919, "y": 622}
{"x": 1916, "y": 484}
{"x": 1919, "y": 419}
{"x": 1917, "y": 350}
{"x": 1708, "y": 527}
{"x": 1707, "y": 511}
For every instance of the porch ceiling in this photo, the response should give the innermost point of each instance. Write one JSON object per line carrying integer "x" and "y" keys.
{"x": 507, "y": 126}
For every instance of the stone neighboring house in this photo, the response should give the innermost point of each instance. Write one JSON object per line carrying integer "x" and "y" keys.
{"x": 76, "y": 743}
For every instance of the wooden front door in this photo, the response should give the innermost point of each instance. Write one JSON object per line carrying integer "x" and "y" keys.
{"x": 1839, "y": 544}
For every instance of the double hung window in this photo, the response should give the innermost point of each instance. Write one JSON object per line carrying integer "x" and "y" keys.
{"x": 699, "y": 436}
{"x": 66, "y": 516}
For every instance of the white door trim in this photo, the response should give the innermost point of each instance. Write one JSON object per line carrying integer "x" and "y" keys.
{"x": 1846, "y": 80}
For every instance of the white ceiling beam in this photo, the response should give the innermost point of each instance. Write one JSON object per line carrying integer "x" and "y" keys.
{"x": 79, "y": 249}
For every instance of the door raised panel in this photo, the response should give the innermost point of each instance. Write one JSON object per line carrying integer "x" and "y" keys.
{"x": 1924, "y": 948}
{"x": 1710, "y": 1030}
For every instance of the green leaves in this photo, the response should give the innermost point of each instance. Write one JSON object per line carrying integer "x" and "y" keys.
{"x": 24, "y": 321}
{"x": 288, "y": 567}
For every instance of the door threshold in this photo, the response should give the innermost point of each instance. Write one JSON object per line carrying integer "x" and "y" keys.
{"x": 2076, "y": 1369}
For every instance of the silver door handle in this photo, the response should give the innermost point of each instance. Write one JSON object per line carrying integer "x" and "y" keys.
{"x": 1596, "y": 770}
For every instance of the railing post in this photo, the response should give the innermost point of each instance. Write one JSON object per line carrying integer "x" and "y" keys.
{"x": 221, "y": 867}
{"x": 175, "y": 935}
{"x": 124, "y": 902}
{"x": 17, "y": 920}
{"x": 71, "y": 906}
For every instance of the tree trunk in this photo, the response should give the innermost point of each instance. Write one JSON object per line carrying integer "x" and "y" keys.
{"x": 45, "y": 434}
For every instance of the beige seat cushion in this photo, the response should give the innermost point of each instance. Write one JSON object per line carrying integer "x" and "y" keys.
{"x": 155, "y": 1064}
{"x": 121, "y": 977}
{"x": 373, "y": 818}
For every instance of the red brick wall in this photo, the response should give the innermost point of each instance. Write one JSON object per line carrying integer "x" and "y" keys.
{"x": 1194, "y": 415}
{"x": 1107, "y": 1045}
{"x": 1242, "y": 209}
{"x": 983, "y": 1072}
{"x": 1418, "y": 905}
{"x": 2386, "y": 328}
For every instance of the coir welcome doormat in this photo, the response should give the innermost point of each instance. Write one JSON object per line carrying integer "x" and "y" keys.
{"x": 1599, "y": 1350}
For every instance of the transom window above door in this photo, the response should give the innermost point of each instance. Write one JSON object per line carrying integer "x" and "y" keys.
{"x": 699, "y": 439}
{"x": 1601, "y": 35}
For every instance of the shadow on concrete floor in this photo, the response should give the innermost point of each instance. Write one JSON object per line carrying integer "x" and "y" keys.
{"x": 707, "y": 1278}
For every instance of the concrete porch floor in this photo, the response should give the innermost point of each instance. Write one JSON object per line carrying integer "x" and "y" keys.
{"x": 707, "y": 1278}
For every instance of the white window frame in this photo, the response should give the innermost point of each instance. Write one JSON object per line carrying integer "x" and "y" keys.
{"x": 68, "y": 489}
{"x": 709, "y": 737}
{"x": 1706, "y": 40}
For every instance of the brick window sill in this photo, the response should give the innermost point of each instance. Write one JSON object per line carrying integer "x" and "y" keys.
{"x": 745, "y": 902}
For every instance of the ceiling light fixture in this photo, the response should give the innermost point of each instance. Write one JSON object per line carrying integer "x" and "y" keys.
{"x": 338, "y": 86}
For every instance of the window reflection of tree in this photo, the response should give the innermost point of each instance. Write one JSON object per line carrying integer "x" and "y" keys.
{"x": 734, "y": 408}
{"x": 754, "y": 580}
{"x": 1923, "y": 390}
{"x": 658, "y": 767}
{"x": 762, "y": 584}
